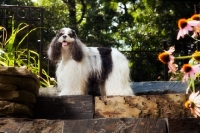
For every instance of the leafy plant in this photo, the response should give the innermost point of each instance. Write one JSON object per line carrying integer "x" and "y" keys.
{"x": 11, "y": 55}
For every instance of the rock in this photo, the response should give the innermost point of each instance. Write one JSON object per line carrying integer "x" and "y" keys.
{"x": 17, "y": 96}
{"x": 184, "y": 125}
{"x": 21, "y": 125}
{"x": 22, "y": 83}
{"x": 159, "y": 87}
{"x": 7, "y": 87}
{"x": 15, "y": 71}
{"x": 103, "y": 125}
{"x": 145, "y": 106}
{"x": 128, "y": 125}
{"x": 64, "y": 107}
{"x": 18, "y": 90}
{"x": 13, "y": 109}
{"x": 22, "y": 78}
{"x": 114, "y": 125}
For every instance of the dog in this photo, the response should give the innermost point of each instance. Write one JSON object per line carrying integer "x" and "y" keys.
{"x": 83, "y": 70}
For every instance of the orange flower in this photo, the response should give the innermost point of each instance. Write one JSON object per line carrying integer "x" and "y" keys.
{"x": 194, "y": 104}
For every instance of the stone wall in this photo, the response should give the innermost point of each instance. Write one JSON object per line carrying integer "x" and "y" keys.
{"x": 18, "y": 90}
{"x": 157, "y": 107}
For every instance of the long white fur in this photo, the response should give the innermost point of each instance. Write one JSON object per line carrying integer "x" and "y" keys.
{"x": 72, "y": 76}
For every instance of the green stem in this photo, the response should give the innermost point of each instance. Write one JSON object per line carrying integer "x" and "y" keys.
{"x": 183, "y": 57}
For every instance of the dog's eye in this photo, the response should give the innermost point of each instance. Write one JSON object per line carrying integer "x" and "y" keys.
{"x": 61, "y": 33}
{"x": 70, "y": 35}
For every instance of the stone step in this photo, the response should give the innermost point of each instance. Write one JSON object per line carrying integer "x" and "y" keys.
{"x": 13, "y": 109}
{"x": 100, "y": 125}
{"x": 64, "y": 107}
{"x": 144, "y": 106}
{"x": 17, "y": 96}
{"x": 128, "y": 125}
{"x": 87, "y": 107}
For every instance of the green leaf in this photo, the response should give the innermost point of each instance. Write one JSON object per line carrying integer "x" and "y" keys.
{"x": 3, "y": 63}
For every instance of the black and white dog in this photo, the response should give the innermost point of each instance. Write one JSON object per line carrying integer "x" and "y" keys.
{"x": 80, "y": 69}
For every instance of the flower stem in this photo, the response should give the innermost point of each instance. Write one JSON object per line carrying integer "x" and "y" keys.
{"x": 183, "y": 57}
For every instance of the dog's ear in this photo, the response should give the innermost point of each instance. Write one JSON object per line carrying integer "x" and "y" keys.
{"x": 77, "y": 51}
{"x": 54, "y": 50}
{"x": 58, "y": 32}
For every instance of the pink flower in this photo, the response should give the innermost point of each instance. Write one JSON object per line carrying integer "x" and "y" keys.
{"x": 185, "y": 26}
{"x": 167, "y": 58}
{"x": 194, "y": 104}
{"x": 189, "y": 71}
{"x": 196, "y": 29}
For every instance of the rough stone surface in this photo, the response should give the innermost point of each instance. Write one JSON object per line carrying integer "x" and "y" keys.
{"x": 12, "y": 109}
{"x": 184, "y": 125}
{"x": 7, "y": 87}
{"x": 64, "y": 107}
{"x": 158, "y": 87}
{"x": 129, "y": 125}
{"x": 22, "y": 78}
{"x": 103, "y": 125}
{"x": 18, "y": 90}
{"x": 22, "y": 83}
{"x": 142, "y": 113}
{"x": 10, "y": 125}
{"x": 145, "y": 106}
{"x": 14, "y": 71}
{"x": 17, "y": 96}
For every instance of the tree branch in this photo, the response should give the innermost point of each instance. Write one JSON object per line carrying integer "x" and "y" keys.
{"x": 83, "y": 10}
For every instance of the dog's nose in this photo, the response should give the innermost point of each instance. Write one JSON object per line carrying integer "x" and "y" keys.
{"x": 64, "y": 36}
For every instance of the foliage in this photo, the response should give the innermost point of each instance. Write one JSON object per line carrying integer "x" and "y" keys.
{"x": 11, "y": 55}
{"x": 130, "y": 26}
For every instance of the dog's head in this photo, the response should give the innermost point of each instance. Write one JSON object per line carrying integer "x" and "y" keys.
{"x": 65, "y": 40}
{"x": 66, "y": 36}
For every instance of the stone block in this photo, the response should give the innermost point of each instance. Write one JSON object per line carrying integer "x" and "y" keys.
{"x": 22, "y": 78}
{"x": 184, "y": 125}
{"x": 21, "y": 125}
{"x": 158, "y": 87}
{"x": 114, "y": 125}
{"x": 144, "y": 106}
{"x": 22, "y": 83}
{"x": 13, "y": 109}
{"x": 129, "y": 125}
{"x": 18, "y": 72}
{"x": 64, "y": 107}
{"x": 7, "y": 87}
{"x": 17, "y": 96}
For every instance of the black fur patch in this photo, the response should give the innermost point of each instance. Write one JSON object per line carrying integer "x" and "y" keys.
{"x": 107, "y": 65}
{"x": 56, "y": 49}
{"x": 76, "y": 50}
